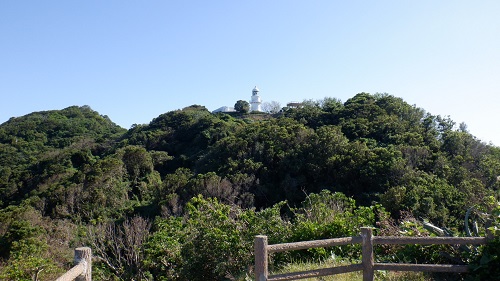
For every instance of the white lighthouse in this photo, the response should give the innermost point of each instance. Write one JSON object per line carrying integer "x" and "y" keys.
{"x": 255, "y": 101}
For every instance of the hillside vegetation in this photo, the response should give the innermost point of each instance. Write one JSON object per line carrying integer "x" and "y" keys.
{"x": 182, "y": 197}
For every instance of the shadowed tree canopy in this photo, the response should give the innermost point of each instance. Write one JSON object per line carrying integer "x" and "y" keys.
{"x": 242, "y": 106}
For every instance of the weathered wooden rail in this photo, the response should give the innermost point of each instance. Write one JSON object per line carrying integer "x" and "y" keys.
{"x": 367, "y": 265}
{"x": 82, "y": 271}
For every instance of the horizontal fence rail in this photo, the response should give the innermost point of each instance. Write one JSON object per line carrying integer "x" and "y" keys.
{"x": 313, "y": 244}
{"x": 397, "y": 240}
{"x": 82, "y": 271}
{"x": 368, "y": 266}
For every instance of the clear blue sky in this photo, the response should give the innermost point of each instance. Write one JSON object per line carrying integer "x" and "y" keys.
{"x": 134, "y": 60}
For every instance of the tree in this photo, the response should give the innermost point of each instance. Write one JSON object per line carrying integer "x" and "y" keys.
{"x": 138, "y": 161}
{"x": 242, "y": 106}
{"x": 271, "y": 107}
{"x": 120, "y": 246}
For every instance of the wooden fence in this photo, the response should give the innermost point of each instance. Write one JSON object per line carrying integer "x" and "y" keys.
{"x": 82, "y": 271}
{"x": 367, "y": 265}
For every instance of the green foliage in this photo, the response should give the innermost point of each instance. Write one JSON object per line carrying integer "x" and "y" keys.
{"x": 432, "y": 198}
{"x": 242, "y": 106}
{"x": 67, "y": 169}
{"x": 27, "y": 262}
{"x": 163, "y": 248}
{"x": 330, "y": 215}
{"x": 215, "y": 249}
{"x": 213, "y": 242}
{"x": 485, "y": 267}
{"x": 484, "y": 261}
{"x": 23, "y": 246}
{"x": 44, "y": 146}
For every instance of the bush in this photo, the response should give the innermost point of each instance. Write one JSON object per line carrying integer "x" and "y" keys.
{"x": 330, "y": 215}
{"x": 486, "y": 266}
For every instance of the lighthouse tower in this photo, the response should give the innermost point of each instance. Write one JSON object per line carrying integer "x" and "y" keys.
{"x": 255, "y": 102}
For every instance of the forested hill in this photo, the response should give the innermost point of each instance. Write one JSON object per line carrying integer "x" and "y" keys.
{"x": 64, "y": 170}
{"x": 43, "y": 146}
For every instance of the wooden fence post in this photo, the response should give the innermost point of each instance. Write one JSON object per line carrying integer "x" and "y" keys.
{"x": 84, "y": 255}
{"x": 260, "y": 247}
{"x": 367, "y": 253}
{"x": 489, "y": 234}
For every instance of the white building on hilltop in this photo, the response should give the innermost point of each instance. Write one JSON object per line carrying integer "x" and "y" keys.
{"x": 224, "y": 109}
{"x": 255, "y": 101}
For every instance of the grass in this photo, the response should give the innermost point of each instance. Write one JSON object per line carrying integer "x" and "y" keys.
{"x": 355, "y": 276}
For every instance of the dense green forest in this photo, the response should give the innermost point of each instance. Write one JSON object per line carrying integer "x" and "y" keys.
{"x": 182, "y": 197}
